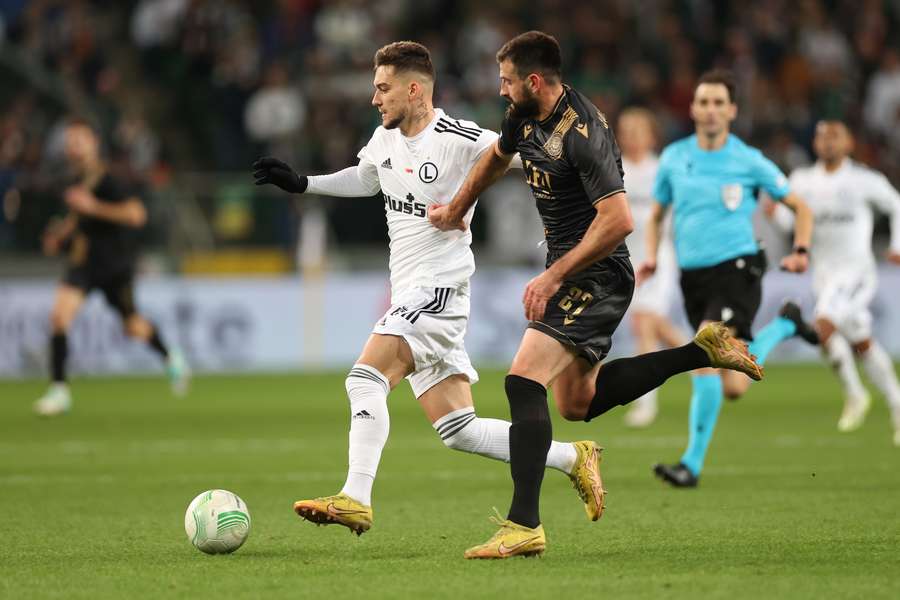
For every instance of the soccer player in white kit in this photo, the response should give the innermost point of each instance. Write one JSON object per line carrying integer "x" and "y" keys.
{"x": 653, "y": 297}
{"x": 843, "y": 195}
{"x": 418, "y": 156}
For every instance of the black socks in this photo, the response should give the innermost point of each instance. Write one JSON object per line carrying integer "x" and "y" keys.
{"x": 530, "y": 436}
{"x": 156, "y": 343}
{"x": 626, "y": 379}
{"x": 59, "y": 351}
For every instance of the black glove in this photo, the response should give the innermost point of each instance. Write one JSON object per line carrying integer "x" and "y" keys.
{"x": 271, "y": 170}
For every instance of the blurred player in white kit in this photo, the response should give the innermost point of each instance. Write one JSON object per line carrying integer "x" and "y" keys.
{"x": 843, "y": 196}
{"x": 653, "y": 298}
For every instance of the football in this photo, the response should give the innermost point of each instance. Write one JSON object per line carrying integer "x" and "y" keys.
{"x": 217, "y": 522}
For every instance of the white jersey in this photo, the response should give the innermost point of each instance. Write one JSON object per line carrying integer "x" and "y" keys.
{"x": 639, "y": 178}
{"x": 414, "y": 173}
{"x": 842, "y": 203}
{"x": 654, "y": 295}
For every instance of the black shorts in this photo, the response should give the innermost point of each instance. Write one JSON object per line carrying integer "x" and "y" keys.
{"x": 586, "y": 310}
{"x": 118, "y": 288}
{"x": 729, "y": 291}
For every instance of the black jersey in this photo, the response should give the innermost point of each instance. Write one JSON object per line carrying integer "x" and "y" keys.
{"x": 571, "y": 162}
{"x": 102, "y": 246}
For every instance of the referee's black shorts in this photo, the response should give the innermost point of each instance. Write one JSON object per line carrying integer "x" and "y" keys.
{"x": 730, "y": 291}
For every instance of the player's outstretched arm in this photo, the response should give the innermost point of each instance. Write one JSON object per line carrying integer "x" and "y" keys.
{"x": 352, "y": 182}
{"x": 651, "y": 242}
{"x": 489, "y": 168}
{"x": 798, "y": 260}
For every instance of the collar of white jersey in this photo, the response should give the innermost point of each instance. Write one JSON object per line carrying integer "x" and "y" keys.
{"x": 846, "y": 164}
{"x": 438, "y": 113}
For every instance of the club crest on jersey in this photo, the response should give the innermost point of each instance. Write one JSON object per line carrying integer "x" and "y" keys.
{"x": 554, "y": 146}
{"x": 428, "y": 172}
{"x": 732, "y": 194}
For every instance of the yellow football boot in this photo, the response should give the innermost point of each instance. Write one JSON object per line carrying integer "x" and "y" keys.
{"x": 340, "y": 509}
{"x": 511, "y": 539}
{"x": 585, "y": 477}
{"x": 726, "y": 351}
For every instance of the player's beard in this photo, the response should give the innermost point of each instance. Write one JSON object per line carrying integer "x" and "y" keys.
{"x": 526, "y": 108}
{"x": 395, "y": 122}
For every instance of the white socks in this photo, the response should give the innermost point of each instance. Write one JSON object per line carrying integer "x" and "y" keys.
{"x": 367, "y": 389}
{"x": 880, "y": 370}
{"x": 462, "y": 430}
{"x": 839, "y": 354}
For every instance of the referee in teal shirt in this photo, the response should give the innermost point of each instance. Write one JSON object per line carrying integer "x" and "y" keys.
{"x": 711, "y": 181}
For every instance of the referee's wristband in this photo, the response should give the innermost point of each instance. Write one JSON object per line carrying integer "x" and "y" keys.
{"x": 801, "y": 250}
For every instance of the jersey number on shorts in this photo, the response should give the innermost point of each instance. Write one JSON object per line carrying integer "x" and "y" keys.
{"x": 575, "y": 295}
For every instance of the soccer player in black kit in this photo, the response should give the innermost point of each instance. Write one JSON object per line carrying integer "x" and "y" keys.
{"x": 100, "y": 233}
{"x": 573, "y": 166}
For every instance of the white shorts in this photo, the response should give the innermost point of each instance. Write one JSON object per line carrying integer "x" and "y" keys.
{"x": 655, "y": 295}
{"x": 433, "y": 322}
{"x": 843, "y": 297}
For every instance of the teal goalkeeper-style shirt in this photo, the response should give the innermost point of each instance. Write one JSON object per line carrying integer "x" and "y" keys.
{"x": 713, "y": 195}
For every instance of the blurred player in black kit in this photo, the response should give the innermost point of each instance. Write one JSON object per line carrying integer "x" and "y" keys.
{"x": 100, "y": 234}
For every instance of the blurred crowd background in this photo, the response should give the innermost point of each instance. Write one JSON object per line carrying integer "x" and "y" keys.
{"x": 187, "y": 93}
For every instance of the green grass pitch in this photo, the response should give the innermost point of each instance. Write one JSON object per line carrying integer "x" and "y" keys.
{"x": 93, "y": 502}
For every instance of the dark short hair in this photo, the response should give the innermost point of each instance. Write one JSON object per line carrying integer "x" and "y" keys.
{"x": 722, "y": 76}
{"x": 533, "y": 52}
{"x": 828, "y": 120}
{"x": 405, "y": 56}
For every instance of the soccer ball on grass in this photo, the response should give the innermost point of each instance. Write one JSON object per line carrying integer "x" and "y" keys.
{"x": 217, "y": 522}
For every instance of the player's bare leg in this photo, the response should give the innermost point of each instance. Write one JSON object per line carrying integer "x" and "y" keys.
{"x": 642, "y": 411}
{"x": 668, "y": 333}
{"x": 66, "y": 304}
{"x": 880, "y": 369}
{"x": 734, "y": 384}
{"x": 177, "y": 369}
{"x": 839, "y": 353}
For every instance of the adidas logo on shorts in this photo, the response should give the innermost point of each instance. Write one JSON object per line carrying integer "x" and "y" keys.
{"x": 363, "y": 414}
